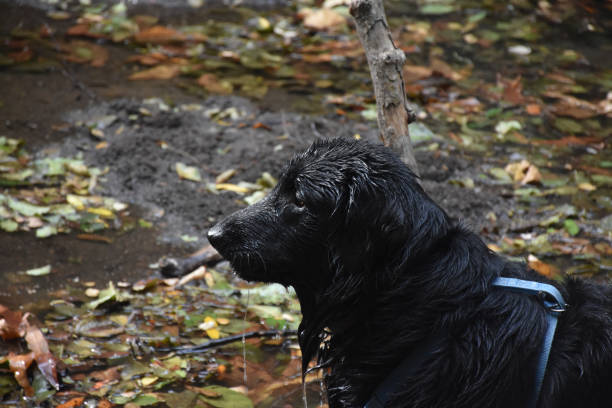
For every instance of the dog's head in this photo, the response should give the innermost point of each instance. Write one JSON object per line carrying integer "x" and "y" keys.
{"x": 340, "y": 207}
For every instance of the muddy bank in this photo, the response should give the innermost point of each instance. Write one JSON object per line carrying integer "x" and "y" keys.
{"x": 145, "y": 139}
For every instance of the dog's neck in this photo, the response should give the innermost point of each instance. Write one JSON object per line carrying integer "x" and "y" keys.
{"x": 381, "y": 320}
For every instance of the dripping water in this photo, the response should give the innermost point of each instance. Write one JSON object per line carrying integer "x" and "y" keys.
{"x": 244, "y": 360}
{"x": 304, "y": 394}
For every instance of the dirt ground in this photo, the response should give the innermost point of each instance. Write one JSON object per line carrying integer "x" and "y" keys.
{"x": 253, "y": 142}
{"x": 50, "y": 110}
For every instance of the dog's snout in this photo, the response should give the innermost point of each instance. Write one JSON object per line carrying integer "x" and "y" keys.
{"x": 215, "y": 235}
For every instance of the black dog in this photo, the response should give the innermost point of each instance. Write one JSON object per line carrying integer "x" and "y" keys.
{"x": 382, "y": 272}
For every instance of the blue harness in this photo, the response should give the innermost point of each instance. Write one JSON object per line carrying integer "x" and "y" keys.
{"x": 555, "y": 305}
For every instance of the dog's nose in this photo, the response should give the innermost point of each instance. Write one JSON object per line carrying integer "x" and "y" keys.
{"x": 215, "y": 235}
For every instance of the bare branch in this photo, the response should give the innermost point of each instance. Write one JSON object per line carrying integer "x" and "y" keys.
{"x": 385, "y": 61}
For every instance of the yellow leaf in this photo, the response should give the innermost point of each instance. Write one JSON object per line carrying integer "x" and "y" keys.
{"x": 102, "y": 212}
{"x": 148, "y": 380}
{"x": 213, "y": 333}
{"x": 75, "y": 201}
{"x": 232, "y": 187}
{"x": 586, "y": 186}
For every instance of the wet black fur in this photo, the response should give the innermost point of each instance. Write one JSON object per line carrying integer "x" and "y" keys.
{"x": 378, "y": 266}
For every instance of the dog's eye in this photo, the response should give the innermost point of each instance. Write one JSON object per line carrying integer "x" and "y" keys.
{"x": 299, "y": 203}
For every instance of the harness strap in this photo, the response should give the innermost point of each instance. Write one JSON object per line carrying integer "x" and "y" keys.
{"x": 554, "y": 310}
{"x": 427, "y": 348}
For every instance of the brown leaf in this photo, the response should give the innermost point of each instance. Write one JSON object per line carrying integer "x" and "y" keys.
{"x": 574, "y": 107}
{"x": 442, "y": 68}
{"x": 38, "y": 345}
{"x": 414, "y": 73}
{"x": 569, "y": 140}
{"x": 512, "y": 89}
{"x": 9, "y": 323}
{"x": 159, "y": 72}
{"x": 83, "y": 52}
{"x": 148, "y": 59}
{"x": 82, "y": 30}
{"x": 159, "y": 35}
{"x": 19, "y": 364}
{"x": 211, "y": 83}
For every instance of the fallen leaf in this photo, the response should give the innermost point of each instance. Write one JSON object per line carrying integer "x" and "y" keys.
{"x": 413, "y": 73}
{"x": 154, "y": 58}
{"x": 159, "y": 72}
{"x": 524, "y": 172}
{"x": 225, "y": 176}
{"x": 232, "y": 187}
{"x": 188, "y": 172}
{"x": 512, "y": 89}
{"x": 43, "y": 270}
{"x": 95, "y": 238}
{"x": 213, "y": 84}
{"x": 72, "y": 403}
{"x": 533, "y": 109}
{"x": 9, "y": 323}
{"x": 323, "y": 20}
{"x": 19, "y": 364}
{"x": 159, "y": 35}
{"x": 444, "y": 69}
{"x": 260, "y": 125}
{"x": 542, "y": 268}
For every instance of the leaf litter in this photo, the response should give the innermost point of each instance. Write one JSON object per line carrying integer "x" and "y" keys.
{"x": 532, "y": 116}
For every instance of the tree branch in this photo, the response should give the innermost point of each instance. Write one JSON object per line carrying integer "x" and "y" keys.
{"x": 385, "y": 61}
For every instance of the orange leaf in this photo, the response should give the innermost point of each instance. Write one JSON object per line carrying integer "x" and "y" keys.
{"x": 159, "y": 35}
{"x": 159, "y": 72}
{"x": 542, "y": 268}
{"x": 19, "y": 364}
{"x": 533, "y": 109}
{"x": 82, "y": 30}
{"x": 148, "y": 59}
{"x": 73, "y": 403}
{"x": 260, "y": 125}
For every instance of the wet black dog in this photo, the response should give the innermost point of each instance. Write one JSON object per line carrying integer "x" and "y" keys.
{"x": 378, "y": 267}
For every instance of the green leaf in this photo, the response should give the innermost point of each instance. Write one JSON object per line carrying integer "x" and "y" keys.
{"x": 571, "y": 227}
{"x": 436, "y": 9}
{"x": 144, "y": 400}
{"x": 9, "y": 225}
{"x": 185, "y": 399}
{"x": 568, "y": 125}
{"x": 43, "y": 270}
{"x": 501, "y": 174}
{"x": 25, "y": 208}
{"x": 46, "y": 231}
{"x": 229, "y": 398}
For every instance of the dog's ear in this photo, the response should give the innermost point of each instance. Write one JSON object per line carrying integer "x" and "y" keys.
{"x": 384, "y": 218}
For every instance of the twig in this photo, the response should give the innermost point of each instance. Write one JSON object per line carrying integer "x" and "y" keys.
{"x": 173, "y": 267}
{"x": 226, "y": 340}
